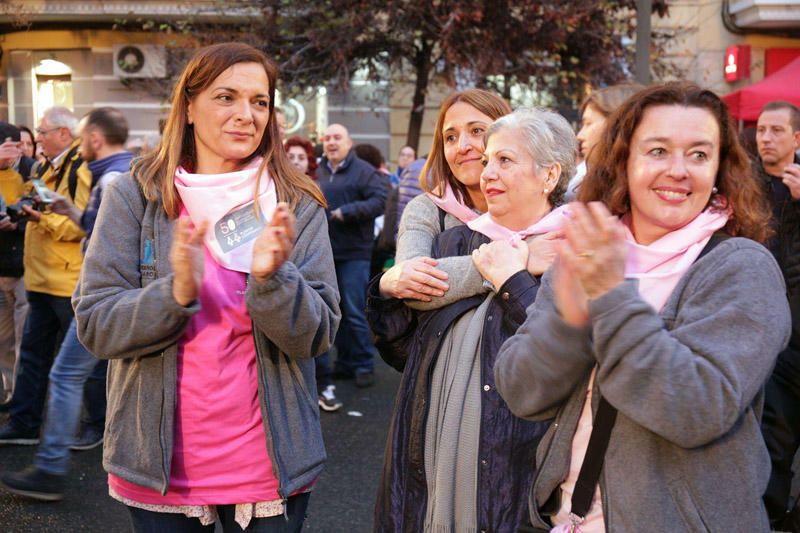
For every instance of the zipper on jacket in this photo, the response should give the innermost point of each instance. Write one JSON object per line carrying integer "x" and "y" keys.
{"x": 161, "y": 437}
{"x": 273, "y": 456}
{"x": 547, "y": 459}
{"x": 164, "y": 459}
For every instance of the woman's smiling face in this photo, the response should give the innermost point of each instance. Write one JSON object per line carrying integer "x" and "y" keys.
{"x": 672, "y": 167}
{"x": 512, "y": 182}
{"x": 463, "y": 135}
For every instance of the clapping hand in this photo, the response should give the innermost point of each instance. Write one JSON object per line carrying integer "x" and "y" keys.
{"x": 187, "y": 258}
{"x": 274, "y": 244}
{"x": 590, "y": 261}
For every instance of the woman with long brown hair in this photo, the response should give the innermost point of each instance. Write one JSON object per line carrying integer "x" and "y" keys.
{"x": 451, "y": 182}
{"x": 209, "y": 285}
{"x": 654, "y": 332}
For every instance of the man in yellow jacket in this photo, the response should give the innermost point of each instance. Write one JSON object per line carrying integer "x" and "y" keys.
{"x": 52, "y": 260}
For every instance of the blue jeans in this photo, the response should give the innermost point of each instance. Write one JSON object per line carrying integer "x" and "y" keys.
{"x": 94, "y": 397}
{"x": 322, "y": 368}
{"x": 73, "y": 366}
{"x": 152, "y": 522}
{"x": 48, "y": 319}
{"x": 354, "y": 338}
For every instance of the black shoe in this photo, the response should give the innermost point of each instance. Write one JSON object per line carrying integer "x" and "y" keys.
{"x": 34, "y": 483}
{"x": 328, "y": 401}
{"x": 11, "y": 435}
{"x": 365, "y": 379}
{"x": 89, "y": 438}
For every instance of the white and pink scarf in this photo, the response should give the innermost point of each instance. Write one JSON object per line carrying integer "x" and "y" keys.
{"x": 450, "y": 204}
{"x": 660, "y": 265}
{"x": 226, "y": 202}
{"x": 485, "y": 224}
{"x": 552, "y": 221}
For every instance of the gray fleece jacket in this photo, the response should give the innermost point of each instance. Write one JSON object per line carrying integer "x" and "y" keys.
{"x": 125, "y": 312}
{"x": 686, "y": 452}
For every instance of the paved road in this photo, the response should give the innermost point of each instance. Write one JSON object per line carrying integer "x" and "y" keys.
{"x": 342, "y": 501}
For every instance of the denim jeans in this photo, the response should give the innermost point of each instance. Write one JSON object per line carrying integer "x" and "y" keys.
{"x": 354, "y": 338}
{"x": 67, "y": 377}
{"x": 152, "y": 522}
{"x": 322, "y": 367}
{"x": 94, "y": 397}
{"x": 48, "y": 319}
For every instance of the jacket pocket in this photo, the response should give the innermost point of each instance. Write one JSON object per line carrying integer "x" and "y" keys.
{"x": 686, "y": 506}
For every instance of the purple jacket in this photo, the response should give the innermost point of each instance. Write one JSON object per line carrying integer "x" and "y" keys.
{"x": 410, "y": 342}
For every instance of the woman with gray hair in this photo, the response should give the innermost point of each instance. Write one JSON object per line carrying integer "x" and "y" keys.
{"x": 457, "y": 458}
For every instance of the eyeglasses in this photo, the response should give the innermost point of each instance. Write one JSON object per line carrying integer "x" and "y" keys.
{"x": 42, "y": 131}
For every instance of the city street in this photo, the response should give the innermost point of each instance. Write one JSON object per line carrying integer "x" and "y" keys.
{"x": 342, "y": 501}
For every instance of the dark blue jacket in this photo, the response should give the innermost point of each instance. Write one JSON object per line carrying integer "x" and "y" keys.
{"x": 410, "y": 341}
{"x": 119, "y": 163}
{"x": 360, "y": 192}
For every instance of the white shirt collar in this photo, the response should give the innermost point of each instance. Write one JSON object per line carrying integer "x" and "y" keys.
{"x": 57, "y": 160}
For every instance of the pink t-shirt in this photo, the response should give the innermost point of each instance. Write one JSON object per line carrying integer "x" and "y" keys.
{"x": 220, "y": 452}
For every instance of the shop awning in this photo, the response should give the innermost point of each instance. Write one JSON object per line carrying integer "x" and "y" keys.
{"x": 784, "y": 84}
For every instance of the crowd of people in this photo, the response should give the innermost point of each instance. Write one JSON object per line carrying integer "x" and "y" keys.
{"x": 596, "y": 332}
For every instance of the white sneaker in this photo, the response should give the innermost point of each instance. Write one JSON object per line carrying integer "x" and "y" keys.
{"x": 328, "y": 401}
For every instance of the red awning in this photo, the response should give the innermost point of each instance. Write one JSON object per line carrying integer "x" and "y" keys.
{"x": 783, "y": 84}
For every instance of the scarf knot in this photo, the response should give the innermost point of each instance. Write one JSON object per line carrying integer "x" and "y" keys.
{"x": 226, "y": 201}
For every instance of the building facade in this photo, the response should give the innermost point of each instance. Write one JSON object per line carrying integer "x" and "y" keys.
{"x": 704, "y": 38}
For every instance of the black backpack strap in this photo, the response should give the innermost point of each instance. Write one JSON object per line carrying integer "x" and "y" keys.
{"x": 66, "y": 161}
{"x": 593, "y": 461}
{"x": 442, "y": 214}
{"x": 39, "y": 169}
{"x": 716, "y": 238}
{"x": 72, "y": 180}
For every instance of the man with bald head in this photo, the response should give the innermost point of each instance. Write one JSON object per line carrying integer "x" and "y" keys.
{"x": 356, "y": 195}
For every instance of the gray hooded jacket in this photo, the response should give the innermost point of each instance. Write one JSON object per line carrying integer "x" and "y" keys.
{"x": 686, "y": 452}
{"x": 125, "y": 312}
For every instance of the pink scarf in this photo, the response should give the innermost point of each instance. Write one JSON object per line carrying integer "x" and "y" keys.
{"x": 226, "y": 202}
{"x": 660, "y": 265}
{"x": 450, "y": 204}
{"x": 552, "y": 221}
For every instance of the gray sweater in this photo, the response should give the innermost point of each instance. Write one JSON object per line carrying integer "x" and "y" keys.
{"x": 125, "y": 312}
{"x": 419, "y": 226}
{"x": 686, "y": 452}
